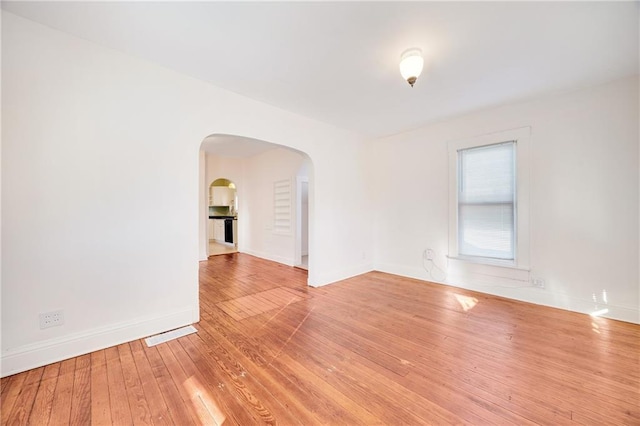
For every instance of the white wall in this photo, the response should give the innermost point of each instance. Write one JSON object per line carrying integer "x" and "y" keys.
{"x": 258, "y": 236}
{"x": 203, "y": 207}
{"x": 101, "y": 192}
{"x": 224, "y": 167}
{"x": 583, "y": 205}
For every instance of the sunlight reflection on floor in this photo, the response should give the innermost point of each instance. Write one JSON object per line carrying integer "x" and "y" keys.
{"x": 466, "y": 302}
{"x": 206, "y": 408}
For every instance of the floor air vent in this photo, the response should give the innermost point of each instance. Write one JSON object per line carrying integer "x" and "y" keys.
{"x": 170, "y": 335}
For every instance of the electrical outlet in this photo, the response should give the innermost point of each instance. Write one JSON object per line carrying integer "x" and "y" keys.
{"x": 51, "y": 319}
{"x": 429, "y": 254}
{"x": 538, "y": 282}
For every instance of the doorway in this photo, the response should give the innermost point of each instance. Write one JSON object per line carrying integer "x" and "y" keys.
{"x": 302, "y": 222}
{"x": 257, "y": 168}
{"x": 304, "y": 233}
{"x": 222, "y": 229}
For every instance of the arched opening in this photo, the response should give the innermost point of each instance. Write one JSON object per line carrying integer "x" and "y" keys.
{"x": 272, "y": 189}
{"x": 222, "y": 226}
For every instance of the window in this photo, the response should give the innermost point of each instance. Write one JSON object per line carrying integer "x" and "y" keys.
{"x": 489, "y": 196}
{"x": 486, "y": 201}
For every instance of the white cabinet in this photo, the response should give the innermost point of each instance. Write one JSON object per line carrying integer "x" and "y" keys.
{"x": 218, "y": 229}
{"x": 221, "y": 196}
{"x": 210, "y": 230}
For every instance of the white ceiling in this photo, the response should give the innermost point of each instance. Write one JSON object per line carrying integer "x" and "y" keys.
{"x": 338, "y": 62}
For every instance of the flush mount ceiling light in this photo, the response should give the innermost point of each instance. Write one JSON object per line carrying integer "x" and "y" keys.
{"x": 411, "y": 63}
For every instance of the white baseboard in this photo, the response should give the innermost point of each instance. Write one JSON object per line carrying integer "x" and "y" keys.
{"x": 315, "y": 279}
{"x": 403, "y": 270}
{"x": 289, "y": 261}
{"x": 318, "y": 280}
{"x": 23, "y": 358}
{"x": 516, "y": 289}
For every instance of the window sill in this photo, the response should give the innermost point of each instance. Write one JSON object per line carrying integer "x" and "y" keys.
{"x": 510, "y": 264}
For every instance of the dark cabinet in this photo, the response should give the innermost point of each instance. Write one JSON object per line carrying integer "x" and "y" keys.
{"x": 228, "y": 230}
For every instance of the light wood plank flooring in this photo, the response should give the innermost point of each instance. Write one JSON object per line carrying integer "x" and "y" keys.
{"x": 216, "y": 248}
{"x": 374, "y": 349}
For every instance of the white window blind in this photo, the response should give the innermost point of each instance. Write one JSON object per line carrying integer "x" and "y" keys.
{"x": 486, "y": 201}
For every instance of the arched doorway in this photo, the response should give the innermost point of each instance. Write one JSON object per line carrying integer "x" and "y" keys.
{"x": 266, "y": 177}
{"x": 222, "y": 229}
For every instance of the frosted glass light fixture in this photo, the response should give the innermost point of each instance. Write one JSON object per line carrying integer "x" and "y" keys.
{"x": 411, "y": 63}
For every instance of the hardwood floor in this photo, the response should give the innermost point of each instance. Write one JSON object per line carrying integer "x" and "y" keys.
{"x": 374, "y": 349}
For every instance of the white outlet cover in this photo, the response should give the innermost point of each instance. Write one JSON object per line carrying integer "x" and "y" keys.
{"x": 538, "y": 282}
{"x": 51, "y": 319}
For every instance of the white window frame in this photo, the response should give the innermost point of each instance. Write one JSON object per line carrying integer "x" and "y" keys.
{"x": 522, "y": 138}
